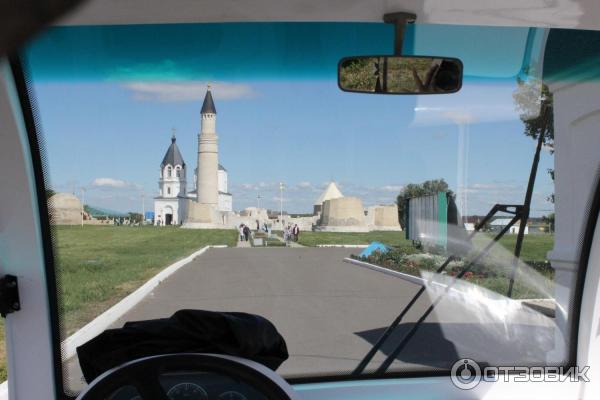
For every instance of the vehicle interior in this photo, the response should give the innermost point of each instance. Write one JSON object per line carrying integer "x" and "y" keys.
{"x": 383, "y": 199}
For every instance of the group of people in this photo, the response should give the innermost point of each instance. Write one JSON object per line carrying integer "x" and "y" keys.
{"x": 291, "y": 233}
{"x": 244, "y": 232}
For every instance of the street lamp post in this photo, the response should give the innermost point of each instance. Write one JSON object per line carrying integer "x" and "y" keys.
{"x": 281, "y": 186}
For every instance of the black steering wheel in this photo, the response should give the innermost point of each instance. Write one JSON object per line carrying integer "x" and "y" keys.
{"x": 143, "y": 374}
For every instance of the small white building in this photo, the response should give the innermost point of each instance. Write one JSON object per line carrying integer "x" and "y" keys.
{"x": 170, "y": 206}
{"x": 500, "y": 223}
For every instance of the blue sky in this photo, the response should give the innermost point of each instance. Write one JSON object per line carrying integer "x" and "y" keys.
{"x": 107, "y": 122}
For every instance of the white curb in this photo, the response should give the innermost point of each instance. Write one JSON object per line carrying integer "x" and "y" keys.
{"x": 104, "y": 320}
{"x": 108, "y": 317}
{"x": 347, "y": 246}
{"x": 407, "y": 277}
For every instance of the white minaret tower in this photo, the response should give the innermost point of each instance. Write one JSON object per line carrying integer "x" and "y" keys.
{"x": 208, "y": 154}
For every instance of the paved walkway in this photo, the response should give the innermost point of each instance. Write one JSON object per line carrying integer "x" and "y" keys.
{"x": 289, "y": 243}
{"x": 243, "y": 243}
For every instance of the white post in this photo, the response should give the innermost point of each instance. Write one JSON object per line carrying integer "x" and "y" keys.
{"x": 281, "y": 204}
{"x": 82, "y": 204}
{"x": 463, "y": 169}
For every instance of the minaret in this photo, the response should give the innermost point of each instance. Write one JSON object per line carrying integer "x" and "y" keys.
{"x": 208, "y": 153}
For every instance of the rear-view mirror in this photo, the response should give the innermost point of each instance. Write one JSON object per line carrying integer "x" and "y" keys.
{"x": 400, "y": 74}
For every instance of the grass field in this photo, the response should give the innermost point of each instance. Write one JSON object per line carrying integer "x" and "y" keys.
{"x": 535, "y": 247}
{"x": 317, "y": 238}
{"x": 99, "y": 265}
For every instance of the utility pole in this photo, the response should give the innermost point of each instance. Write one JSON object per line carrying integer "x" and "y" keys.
{"x": 258, "y": 200}
{"x": 281, "y": 186}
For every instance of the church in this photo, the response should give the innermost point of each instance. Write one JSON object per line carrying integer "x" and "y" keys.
{"x": 209, "y": 198}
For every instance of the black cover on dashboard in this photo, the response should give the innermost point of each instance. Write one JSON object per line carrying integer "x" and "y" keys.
{"x": 187, "y": 331}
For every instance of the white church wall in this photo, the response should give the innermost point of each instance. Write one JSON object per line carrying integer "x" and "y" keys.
{"x": 222, "y": 181}
{"x": 170, "y": 184}
{"x": 225, "y": 202}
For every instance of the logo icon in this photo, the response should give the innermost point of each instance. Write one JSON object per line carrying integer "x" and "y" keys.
{"x": 465, "y": 374}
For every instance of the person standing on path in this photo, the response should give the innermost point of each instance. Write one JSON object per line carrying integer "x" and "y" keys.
{"x": 296, "y": 232}
{"x": 241, "y": 232}
{"x": 246, "y": 232}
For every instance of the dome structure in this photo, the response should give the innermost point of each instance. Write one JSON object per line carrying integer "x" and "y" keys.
{"x": 344, "y": 214}
{"x": 65, "y": 209}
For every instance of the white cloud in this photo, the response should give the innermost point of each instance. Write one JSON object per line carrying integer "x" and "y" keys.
{"x": 495, "y": 187}
{"x": 113, "y": 183}
{"x": 392, "y": 188}
{"x": 187, "y": 91}
{"x": 470, "y": 105}
{"x": 305, "y": 185}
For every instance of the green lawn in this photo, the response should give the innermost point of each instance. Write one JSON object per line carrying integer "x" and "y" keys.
{"x": 317, "y": 238}
{"x": 99, "y": 265}
{"x": 535, "y": 247}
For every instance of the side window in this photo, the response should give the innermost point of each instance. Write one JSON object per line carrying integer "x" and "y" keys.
{"x": 169, "y": 172}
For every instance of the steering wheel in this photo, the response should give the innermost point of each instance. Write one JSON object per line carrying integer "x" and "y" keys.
{"x": 143, "y": 374}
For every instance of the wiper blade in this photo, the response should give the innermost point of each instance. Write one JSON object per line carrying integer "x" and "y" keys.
{"x": 518, "y": 209}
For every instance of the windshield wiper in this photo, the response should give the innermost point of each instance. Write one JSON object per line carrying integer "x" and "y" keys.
{"x": 521, "y": 214}
{"x": 517, "y": 210}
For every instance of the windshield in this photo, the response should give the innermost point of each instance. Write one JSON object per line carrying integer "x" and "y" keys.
{"x": 219, "y": 167}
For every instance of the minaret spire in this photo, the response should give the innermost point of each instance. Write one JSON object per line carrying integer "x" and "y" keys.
{"x": 208, "y": 153}
{"x": 173, "y": 138}
{"x": 208, "y": 106}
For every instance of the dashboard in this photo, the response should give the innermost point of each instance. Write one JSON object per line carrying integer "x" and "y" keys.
{"x": 196, "y": 386}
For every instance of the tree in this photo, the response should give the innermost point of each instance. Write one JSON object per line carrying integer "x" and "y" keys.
{"x": 549, "y": 219}
{"x": 426, "y": 188}
{"x": 135, "y": 217}
{"x": 535, "y": 103}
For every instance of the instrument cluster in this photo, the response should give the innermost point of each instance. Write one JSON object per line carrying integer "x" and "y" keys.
{"x": 196, "y": 386}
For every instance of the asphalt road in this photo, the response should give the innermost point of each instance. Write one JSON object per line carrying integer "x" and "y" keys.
{"x": 317, "y": 301}
{"x": 331, "y": 312}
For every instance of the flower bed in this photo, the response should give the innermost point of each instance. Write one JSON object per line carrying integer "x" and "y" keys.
{"x": 490, "y": 273}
